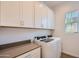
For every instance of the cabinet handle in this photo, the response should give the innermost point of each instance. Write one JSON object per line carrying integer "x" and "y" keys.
{"x": 22, "y": 23}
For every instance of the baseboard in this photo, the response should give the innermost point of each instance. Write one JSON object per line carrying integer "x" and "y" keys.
{"x": 71, "y": 54}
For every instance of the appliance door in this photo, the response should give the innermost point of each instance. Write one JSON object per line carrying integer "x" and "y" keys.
{"x": 51, "y": 49}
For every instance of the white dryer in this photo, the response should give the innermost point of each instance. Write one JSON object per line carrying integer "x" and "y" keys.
{"x": 51, "y": 48}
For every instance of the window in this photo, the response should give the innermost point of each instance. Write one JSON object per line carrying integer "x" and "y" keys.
{"x": 72, "y": 21}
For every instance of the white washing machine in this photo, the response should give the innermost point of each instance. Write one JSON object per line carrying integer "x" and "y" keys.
{"x": 51, "y": 48}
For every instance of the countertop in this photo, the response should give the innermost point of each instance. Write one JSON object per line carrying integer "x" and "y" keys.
{"x": 13, "y": 52}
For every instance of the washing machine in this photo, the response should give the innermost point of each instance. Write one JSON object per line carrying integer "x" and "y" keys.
{"x": 51, "y": 47}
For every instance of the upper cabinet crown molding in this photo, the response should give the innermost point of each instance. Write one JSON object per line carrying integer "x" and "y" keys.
{"x": 26, "y": 14}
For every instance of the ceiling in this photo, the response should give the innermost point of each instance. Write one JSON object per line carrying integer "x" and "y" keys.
{"x": 53, "y": 3}
{"x": 57, "y": 3}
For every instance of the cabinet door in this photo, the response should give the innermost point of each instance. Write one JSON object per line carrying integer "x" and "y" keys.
{"x": 28, "y": 14}
{"x": 50, "y": 19}
{"x": 9, "y": 13}
{"x": 44, "y": 16}
{"x": 38, "y": 14}
{"x": 3, "y": 10}
{"x": 41, "y": 15}
{"x": 32, "y": 54}
{"x": 36, "y": 53}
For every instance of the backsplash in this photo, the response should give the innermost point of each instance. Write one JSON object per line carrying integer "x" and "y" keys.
{"x": 10, "y": 35}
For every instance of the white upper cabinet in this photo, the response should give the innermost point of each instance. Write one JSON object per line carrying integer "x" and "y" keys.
{"x": 51, "y": 18}
{"x": 44, "y": 17}
{"x": 9, "y": 13}
{"x": 38, "y": 20}
{"x": 40, "y": 15}
{"x": 18, "y": 14}
{"x": 27, "y": 16}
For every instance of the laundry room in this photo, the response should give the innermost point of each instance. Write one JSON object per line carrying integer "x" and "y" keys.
{"x": 39, "y": 29}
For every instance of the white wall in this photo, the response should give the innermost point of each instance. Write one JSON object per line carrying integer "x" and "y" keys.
{"x": 70, "y": 41}
{"x": 9, "y": 35}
